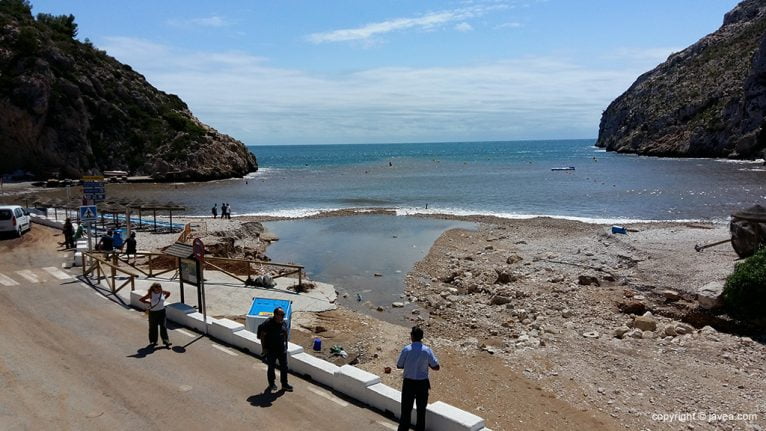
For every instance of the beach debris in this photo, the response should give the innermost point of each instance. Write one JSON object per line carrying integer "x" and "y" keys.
{"x": 698, "y": 248}
{"x": 591, "y": 334}
{"x": 377, "y": 274}
{"x": 499, "y": 300}
{"x": 397, "y": 304}
{"x": 359, "y": 297}
{"x": 621, "y": 331}
{"x": 587, "y": 280}
{"x": 632, "y": 307}
{"x": 645, "y": 322}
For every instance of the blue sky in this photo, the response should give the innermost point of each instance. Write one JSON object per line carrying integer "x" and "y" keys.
{"x": 352, "y": 71}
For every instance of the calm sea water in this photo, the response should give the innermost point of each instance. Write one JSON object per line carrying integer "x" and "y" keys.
{"x": 510, "y": 179}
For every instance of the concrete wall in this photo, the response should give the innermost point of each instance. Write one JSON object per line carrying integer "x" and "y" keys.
{"x": 351, "y": 381}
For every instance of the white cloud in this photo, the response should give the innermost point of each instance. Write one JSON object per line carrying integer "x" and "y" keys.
{"x": 512, "y": 24}
{"x": 463, "y": 27}
{"x": 211, "y": 21}
{"x": 426, "y": 22}
{"x": 246, "y": 97}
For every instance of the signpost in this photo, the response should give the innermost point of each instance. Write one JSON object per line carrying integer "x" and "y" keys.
{"x": 199, "y": 255}
{"x": 93, "y": 191}
{"x": 88, "y": 214}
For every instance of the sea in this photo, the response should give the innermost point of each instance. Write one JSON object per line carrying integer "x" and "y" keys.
{"x": 507, "y": 179}
{"x": 366, "y": 256}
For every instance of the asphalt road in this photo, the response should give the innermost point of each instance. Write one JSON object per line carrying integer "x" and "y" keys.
{"x": 72, "y": 358}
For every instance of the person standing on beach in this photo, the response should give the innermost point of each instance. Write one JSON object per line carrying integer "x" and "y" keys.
{"x": 155, "y": 299}
{"x": 68, "y": 230}
{"x": 214, "y": 210}
{"x": 130, "y": 247}
{"x": 228, "y": 211}
{"x": 415, "y": 359}
{"x": 106, "y": 243}
{"x": 223, "y": 210}
{"x": 273, "y": 336}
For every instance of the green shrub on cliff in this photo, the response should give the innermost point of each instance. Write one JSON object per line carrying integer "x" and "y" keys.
{"x": 745, "y": 291}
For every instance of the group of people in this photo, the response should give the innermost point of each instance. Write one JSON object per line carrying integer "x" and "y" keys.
{"x": 225, "y": 210}
{"x": 415, "y": 359}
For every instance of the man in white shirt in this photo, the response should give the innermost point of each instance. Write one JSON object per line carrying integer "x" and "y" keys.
{"x": 415, "y": 359}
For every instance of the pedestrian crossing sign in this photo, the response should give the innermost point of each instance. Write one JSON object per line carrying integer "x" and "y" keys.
{"x": 88, "y": 213}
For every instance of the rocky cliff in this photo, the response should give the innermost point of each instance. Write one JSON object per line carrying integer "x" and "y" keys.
{"x": 708, "y": 100}
{"x": 68, "y": 109}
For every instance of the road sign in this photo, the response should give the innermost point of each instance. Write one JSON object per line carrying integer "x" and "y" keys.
{"x": 199, "y": 249}
{"x": 89, "y": 190}
{"x": 99, "y": 184}
{"x": 88, "y": 213}
{"x": 94, "y": 196}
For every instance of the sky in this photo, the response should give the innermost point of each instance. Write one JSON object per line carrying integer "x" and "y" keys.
{"x": 380, "y": 71}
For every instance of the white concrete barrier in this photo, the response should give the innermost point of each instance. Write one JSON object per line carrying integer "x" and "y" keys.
{"x": 317, "y": 369}
{"x": 196, "y": 321}
{"x": 135, "y": 297}
{"x": 354, "y": 381}
{"x": 247, "y": 340}
{"x": 385, "y": 398}
{"x": 224, "y": 330}
{"x": 177, "y": 312}
{"x": 441, "y": 416}
{"x": 293, "y": 349}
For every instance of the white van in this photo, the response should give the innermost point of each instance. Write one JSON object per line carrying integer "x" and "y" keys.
{"x": 14, "y": 219}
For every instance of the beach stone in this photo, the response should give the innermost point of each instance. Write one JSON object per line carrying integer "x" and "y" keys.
{"x": 709, "y": 295}
{"x": 670, "y": 331}
{"x": 397, "y": 304}
{"x": 499, "y": 300}
{"x": 587, "y": 280}
{"x": 670, "y": 295}
{"x": 683, "y": 328}
{"x": 621, "y": 331}
{"x": 645, "y": 323}
{"x": 567, "y": 313}
{"x": 631, "y": 307}
{"x": 513, "y": 259}
{"x": 504, "y": 277}
{"x": 635, "y": 333}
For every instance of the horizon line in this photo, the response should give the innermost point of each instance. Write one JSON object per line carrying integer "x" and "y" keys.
{"x": 423, "y": 142}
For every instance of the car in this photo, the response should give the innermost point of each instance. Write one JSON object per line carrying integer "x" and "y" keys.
{"x": 14, "y": 219}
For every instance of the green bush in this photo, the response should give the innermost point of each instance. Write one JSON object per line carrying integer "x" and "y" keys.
{"x": 745, "y": 291}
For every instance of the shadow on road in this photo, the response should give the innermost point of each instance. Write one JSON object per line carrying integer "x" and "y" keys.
{"x": 143, "y": 352}
{"x": 264, "y": 399}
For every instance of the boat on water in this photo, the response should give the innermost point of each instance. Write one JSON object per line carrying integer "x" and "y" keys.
{"x": 566, "y": 168}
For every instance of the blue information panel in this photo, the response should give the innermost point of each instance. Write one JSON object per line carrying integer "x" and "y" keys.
{"x": 263, "y": 308}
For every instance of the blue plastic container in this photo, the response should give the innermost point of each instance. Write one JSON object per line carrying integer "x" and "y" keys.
{"x": 317, "y": 344}
{"x": 619, "y": 229}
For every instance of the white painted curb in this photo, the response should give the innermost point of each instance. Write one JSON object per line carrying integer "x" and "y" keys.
{"x": 348, "y": 380}
{"x": 317, "y": 369}
{"x": 444, "y": 417}
{"x": 248, "y": 341}
{"x": 354, "y": 381}
{"x": 224, "y": 330}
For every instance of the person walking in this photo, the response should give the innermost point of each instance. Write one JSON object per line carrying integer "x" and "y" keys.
{"x": 415, "y": 359}
{"x": 68, "y": 234}
{"x": 155, "y": 299}
{"x": 130, "y": 247}
{"x": 214, "y": 210}
{"x": 228, "y": 211}
{"x": 273, "y": 336}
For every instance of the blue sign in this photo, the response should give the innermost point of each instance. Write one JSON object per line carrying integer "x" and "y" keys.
{"x": 88, "y": 213}
{"x": 88, "y": 190}
{"x": 93, "y": 184}
{"x": 94, "y": 196}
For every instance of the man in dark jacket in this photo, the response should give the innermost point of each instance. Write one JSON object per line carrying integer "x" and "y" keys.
{"x": 273, "y": 336}
{"x": 68, "y": 233}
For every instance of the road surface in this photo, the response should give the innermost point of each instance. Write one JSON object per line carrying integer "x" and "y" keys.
{"x": 72, "y": 358}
